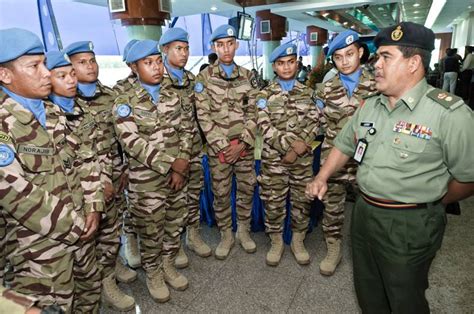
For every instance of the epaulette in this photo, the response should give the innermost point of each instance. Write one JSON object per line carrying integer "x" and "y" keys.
{"x": 447, "y": 100}
{"x": 370, "y": 94}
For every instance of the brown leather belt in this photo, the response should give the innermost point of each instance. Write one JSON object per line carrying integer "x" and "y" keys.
{"x": 382, "y": 203}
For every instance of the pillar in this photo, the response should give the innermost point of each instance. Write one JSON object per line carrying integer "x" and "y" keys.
{"x": 270, "y": 32}
{"x": 316, "y": 37}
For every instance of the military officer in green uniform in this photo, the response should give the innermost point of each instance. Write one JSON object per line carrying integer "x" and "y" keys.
{"x": 339, "y": 98}
{"x": 414, "y": 145}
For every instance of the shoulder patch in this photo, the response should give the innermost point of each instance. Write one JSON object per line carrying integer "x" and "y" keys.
{"x": 124, "y": 110}
{"x": 4, "y": 137}
{"x": 447, "y": 100}
{"x": 262, "y": 103}
{"x": 7, "y": 155}
{"x": 198, "y": 88}
{"x": 317, "y": 100}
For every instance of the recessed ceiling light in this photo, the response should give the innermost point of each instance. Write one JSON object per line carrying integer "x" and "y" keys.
{"x": 380, "y": 9}
{"x": 416, "y": 12}
{"x": 416, "y": 5}
{"x": 469, "y": 7}
{"x": 213, "y": 8}
{"x": 326, "y": 14}
{"x": 385, "y": 14}
{"x": 345, "y": 23}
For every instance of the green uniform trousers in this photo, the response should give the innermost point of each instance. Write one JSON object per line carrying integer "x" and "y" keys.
{"x": 392, "y": 251}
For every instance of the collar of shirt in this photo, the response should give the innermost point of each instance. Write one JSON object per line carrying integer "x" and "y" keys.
{"x": 87, "y": 89}
{"x": 174, "y": 72}
{"x": 153, "y": 91}
{"x": 65, "y": 103}
{"x": 411, "y": 98}
{"x": 35, "y": 106}
{"x": 286, "y": 85}
{"x": 228, "y": 69}
{"x": 350, "y": 81}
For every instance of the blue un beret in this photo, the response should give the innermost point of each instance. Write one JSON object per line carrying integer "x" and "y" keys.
{"x": 127, "y": 47}
{"x": 406, "y": 34}
{"x": 142, "y": 49}
{"x": 342, "y": 40}
{"x": 174, "y": 34}
{"x": 16, "y": 42}
{"x": 285, "y": 50}
{"x": 56, "y": 59}
{"x": 79, "y": 47}
{"x": 223, "y": 31}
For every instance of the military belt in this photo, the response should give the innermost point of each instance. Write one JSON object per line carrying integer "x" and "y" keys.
{"x": 388, "y": 204}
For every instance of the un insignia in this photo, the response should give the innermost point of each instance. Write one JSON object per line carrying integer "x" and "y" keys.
{"x": 7, "y": 155}
{"x": 262, "y": 103}
{"x": 198, "y": 88}
{"x": 124, "y": 110}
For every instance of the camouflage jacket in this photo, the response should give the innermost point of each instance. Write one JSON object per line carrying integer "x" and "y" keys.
{"x": 38, "y": 189}
{"x": 152, "y": 135}
{"x": 339, "y": 108}
{"x": 125, "y": 85}
{"x": 109, "y": 152}
{"x": 186, "y": 93}
{"x": 82, "y": 124}
{"x": 226, "y": 106}
{"x": 15, "y": 303}
{"x": 284, "y": 117}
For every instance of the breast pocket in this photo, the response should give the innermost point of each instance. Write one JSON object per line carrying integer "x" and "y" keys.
{"x": 146, "y": 120}
{"x": 37, "y": 167}
{"x": 407, "y": 151}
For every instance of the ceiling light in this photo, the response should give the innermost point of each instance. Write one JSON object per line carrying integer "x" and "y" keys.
{"x": 416, "y": 12}
{"x": 385, "y": 14}
{"x": 380, "y": 8}
{"x": 469, "y": 7}
{"x": 416, "y": 5}
{"x": 213, "y": 8}
{"x": 435, "y": 10}
{"x": 326, "y": 14}
{"x": 345, "y": 23}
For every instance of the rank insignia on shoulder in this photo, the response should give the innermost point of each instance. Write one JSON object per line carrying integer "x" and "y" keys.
{"x": 198, "y": 88}
{"x": 7, "y": 155}
{"x": 124, "y": 110}
{"x": 262, "y": 103}
{"x": 4, "y": 137}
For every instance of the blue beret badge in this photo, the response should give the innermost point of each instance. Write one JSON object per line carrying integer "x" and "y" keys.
{"x": 198, "y": 88}
{"x": 124, "y": 110}
{"x": 262, "y": 103}
{"x": 7, "y": 155}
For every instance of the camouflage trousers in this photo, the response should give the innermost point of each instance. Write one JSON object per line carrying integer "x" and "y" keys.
{"x": 334, "y": 201}
{"x": 176, "y": 216}
{"x": 40, "y": 267}
{"x": 87, "y": 278}
{"x": 222, "y": 173}
{"x": 276, "y": 182}
{"x": 148, "y": 217}
{"x": 195, "y": 185}
{"x": 3, "y": 239}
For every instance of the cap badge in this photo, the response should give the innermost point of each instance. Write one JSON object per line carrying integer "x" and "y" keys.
{"x": 349, "y": 39}
{"x": 397, "y": 34}
{"x": 91, "y": 46}
{"x": 289, "y": 50}
{"x": 230, "y": 32}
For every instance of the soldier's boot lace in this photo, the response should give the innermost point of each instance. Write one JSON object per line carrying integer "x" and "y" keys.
{"x": 123, "y": 273}
{"x": 132, "y": 251}
{"x": 243, "y": 237}
{"x": 156, "y": 286}
{"x": 113, "y": 297}
{"x": 298, "y": 249}
{"x": 196, "y": 243}
{"x": 276, "y": 250}
{"x": 176, "y": 280}
{"x": 226, "y": 244}
{"x": 333, "y": 258}
{"x": 181, "y": 260}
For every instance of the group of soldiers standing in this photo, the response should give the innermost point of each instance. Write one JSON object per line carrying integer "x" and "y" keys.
{"x": 81, "y": 163}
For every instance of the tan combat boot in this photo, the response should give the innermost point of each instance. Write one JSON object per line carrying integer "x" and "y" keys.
{"x": 333, "y": 258}
{"x": 243, "y": 236}
{"x": 181, "y": 260}
{"x": 113, "y": 297}
{"x": 227, "y": 242}
{"x": 195, "y": 242}
{"x": 298, "y": 249}
{"x": 157, "y": 287}
{"x": 132, "y": 251}
{"x": 276, "y": 250}
{"x": 123, "y": 273}
{"x": 176, "y": 280}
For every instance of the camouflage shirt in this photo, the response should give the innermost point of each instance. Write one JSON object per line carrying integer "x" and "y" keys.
{"x": 125, "y": 85}
{"x": 284, "y": 117}
{"x": 151, "y": 134}
{"x": 38, "y": 190}
{"x": 339, "y": 109}
{"x": 226, "y": 106}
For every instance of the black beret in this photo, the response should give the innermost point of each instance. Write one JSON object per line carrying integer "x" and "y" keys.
{"x": 406, "y": 34}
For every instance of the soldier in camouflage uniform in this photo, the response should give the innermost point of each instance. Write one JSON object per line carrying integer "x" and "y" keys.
{"x": 154, "y": 128}
{"x": 130, "y": 245}
{"x": 39, "y": 182}
{"x": 225, "y": 102}
{"x": 175, "y": 47}
{"x": 16, "y": 303}
{"x": 339, "y": 98}
{"x": 99, "y": 101}
{"x": 87, "y": 277}
{"x": 289, "y": 122}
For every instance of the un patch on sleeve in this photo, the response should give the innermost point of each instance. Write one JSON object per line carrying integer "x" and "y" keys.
{"x": 7, "y": 155}
{"x": 198, "y": 88}
{"x": 124, "y": 110}
{"x": 262, "y": 103}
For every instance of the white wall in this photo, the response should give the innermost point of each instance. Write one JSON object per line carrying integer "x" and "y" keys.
{"x": 463, "y": 34}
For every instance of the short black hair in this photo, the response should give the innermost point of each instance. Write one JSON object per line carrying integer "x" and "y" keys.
{"x": 425, "y": 55}
{"x": 357, "y": 45}
{"x": 212, "y": 58}
{"x": 8, "y": 64}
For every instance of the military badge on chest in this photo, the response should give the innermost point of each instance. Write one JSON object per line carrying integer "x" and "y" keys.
{"x": 416, "y": 130}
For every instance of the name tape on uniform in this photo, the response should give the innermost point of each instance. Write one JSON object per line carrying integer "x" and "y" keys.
{"x": 35, "y": 150}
